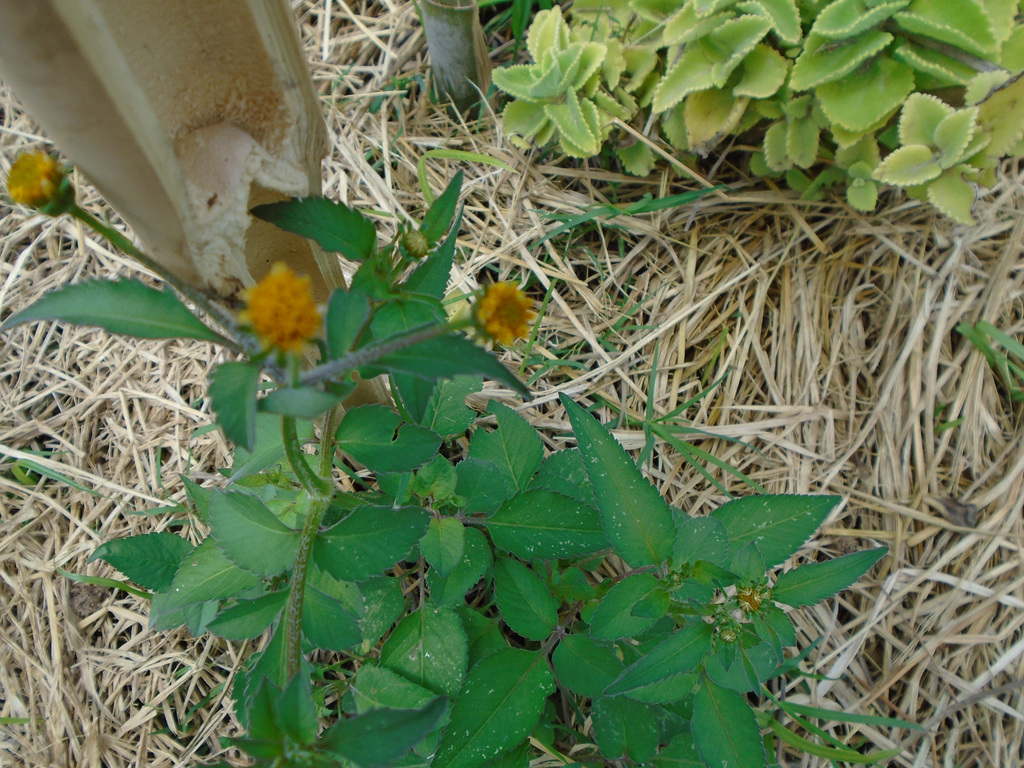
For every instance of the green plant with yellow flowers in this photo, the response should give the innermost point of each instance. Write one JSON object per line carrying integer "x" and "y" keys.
{"x": 446, "y": 573}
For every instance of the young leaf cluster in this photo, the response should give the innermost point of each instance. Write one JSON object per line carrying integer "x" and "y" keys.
{"x": 915, "y": 94}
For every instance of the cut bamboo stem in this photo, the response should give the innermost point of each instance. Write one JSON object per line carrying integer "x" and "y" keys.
{"x": 459, "y": 60}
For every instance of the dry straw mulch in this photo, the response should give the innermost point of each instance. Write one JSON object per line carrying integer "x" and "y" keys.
{"x": 833, "y": 332}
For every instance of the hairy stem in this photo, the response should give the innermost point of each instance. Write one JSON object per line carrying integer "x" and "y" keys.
{"x": 297, "y": 585}
{"x": 320, "y": 492}
{"x": 371, "y": 353}
{"x": 311, "y": 482}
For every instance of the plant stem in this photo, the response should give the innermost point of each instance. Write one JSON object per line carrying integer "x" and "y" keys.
{"x": 311, "y": 482}
{"x": 320, "y": 492}
{"x": 297, "y": 584}
{"x": 371, "y": 353}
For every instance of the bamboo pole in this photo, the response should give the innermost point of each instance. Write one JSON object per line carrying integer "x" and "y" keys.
{"x": 458, "y": 54}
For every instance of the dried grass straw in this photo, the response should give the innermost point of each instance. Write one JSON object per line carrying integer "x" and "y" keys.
{"x": 834, "y": 332}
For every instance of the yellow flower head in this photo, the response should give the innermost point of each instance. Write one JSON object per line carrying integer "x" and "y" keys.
{"x": 504, "y": 313}
{"x": 281, "y": 311}
{"x": 38, "y": 181}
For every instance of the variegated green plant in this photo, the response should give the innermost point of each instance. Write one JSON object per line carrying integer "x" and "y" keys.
{"x": 918, "y": 94}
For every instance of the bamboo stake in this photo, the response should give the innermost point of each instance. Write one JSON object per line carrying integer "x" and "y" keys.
{"x": 458, "y": 54}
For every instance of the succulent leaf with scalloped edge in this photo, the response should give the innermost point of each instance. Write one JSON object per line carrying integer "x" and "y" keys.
{"x": 824, "y": 79}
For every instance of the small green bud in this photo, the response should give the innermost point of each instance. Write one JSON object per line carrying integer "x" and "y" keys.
{"x": 415, "y": 243}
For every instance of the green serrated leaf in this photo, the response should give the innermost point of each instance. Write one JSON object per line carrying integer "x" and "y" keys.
{"x": 205, "y": 575}
{"x": 953, "y": 135}
{"x": 297, "y": 712}
{"x": 519, "y": 81}
{"x": 909, "y": 165}
{"x": 810, "y": 583}
{"x": 710, "y": 116}
{"x": 522, "y": 117}
{"x": 383, "y": 605}
{"x": 690, "y": 73}
{"x": 481, "y": 485}
{"x": 730, "y": 42}
{"x": 563, "y": 472}
{"x": 920, "y": 116}
{"x": 679, "y": 753}
{"x": 862, "y": 194}
{"x": 802, "y": 142}
{"x": 496, "y": 709}
{"x": 700, "y": 538}
{"x": 444, "y": 544}
{"x": 1002, "y": 114}
{"x": 578, "y": 126}
{"x": 333, "y": 225}
{"x": 965, "y": 24}
{"x": 945, "y": 69}
{"x": 846, "y": 18}
{"x": 326, "y": 623}
{"x": 447, "y": 413}
{"x": 475, "y": 563}
{"x": 778, "y": 525}
{"x": 825, "y": 60}
{"x": 445, "y": 357}
{"x": 379, "y": 688}
{"x": 543, "y": 524}
{"x": 233, "y": 389}
{"x": 684, "y": 26}
{"x": 585, "y": 666}
{"x": 625, "y": 729}
{"x": 436, "y": 479}
{"x": 368, "y": 541}
{"x": 524, "y": 600}
{"x": 118, "y": 306}
{"x": 248, "y": 618}
{"x": 764, "y": 72}
{"x": 548, "y": 32}
{"x": 430, "y": 648}
{"x": 368, "y": 433}
{"x": 358, "y": 739}
{"x": 680, "y": 652}
{"x": 431, "y": 277}
{"x": 616, "y": 617}
{"x": 725, "y": 729}
{"x": 347, "y": 314}
{"x": 251, "y": 536}
{"x": 514, "y": 447}
{"x": 149, "y": 559}
{"x": 783, "y": 14}
{"x": 637, "y": 521}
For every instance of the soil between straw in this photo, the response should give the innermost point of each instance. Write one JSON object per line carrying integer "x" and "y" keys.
{"x": 841, "y": 370}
